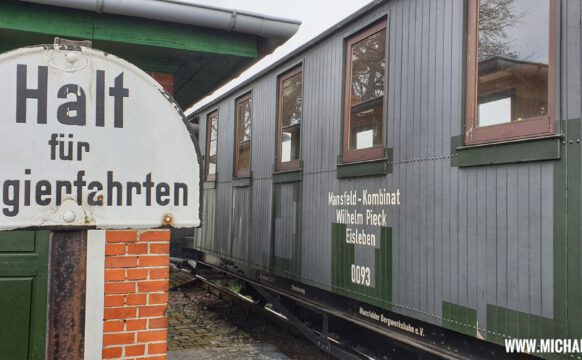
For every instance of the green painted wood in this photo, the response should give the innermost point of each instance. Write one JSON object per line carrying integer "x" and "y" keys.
{"x": 368, "y": 168}
{"x": 505, "y": 153}
{"x": 23, "y": 306}
{"x": 512, "y": 324}
{"x": 207, "y": 185}
{"x": 495, "y": 324}
{"x": 455, "y": 143}
{"x": 574, "y": 244}
{"x": 40, "y": 297}
{"x": 281, "y": 265}
{"x": 16, "y": 15}
{"x": 492, "y": 322}
{"x": 21, "y": 241}
{"x": 343, "y": 257}
{"x": 567, "y": 245}
{"x": 385, "y": 276}
{"x": 560, "y": 248}
{"x": 290, "y": 268}
{"x": 523, "y": 325}
{"x": 446, "y": 313}
{"x": 174, "y": 36}
{"x": 535, "y": 327}
{"x": 297, "y": 239}
{"x": 459, "y": 318}
{"x": 285, "y": 177}
{"x": 276, "y": 203}
{"x": 503, "y": 323}
{"x": 501, "y": 328}
{"x": 70, "y": 23}
{"x": 15, "y": 314}
{"x": 242, "y": 182}
{"x": 212, "y": 70}
{"x": 153, "y": 58}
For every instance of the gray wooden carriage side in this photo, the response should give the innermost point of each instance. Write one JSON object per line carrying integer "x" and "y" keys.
{"x": 484, "y": 244}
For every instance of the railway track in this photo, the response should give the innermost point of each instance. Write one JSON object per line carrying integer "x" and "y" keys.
{"x": 347, "y": 341}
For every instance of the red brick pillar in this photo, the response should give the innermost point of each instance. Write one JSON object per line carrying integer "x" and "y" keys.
{"x": 136, "y": 294}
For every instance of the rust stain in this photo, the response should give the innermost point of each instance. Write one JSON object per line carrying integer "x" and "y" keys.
{"x": 66, "y": 327}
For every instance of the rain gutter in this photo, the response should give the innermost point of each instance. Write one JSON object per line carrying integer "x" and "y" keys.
{"x": 186, "y": 12}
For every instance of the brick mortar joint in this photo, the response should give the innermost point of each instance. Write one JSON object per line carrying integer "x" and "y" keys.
{"x": 158, "y": 292}
{"x": 134, "y": 332}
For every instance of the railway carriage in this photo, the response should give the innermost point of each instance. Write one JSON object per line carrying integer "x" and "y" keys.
{"x": 416, "y": 169}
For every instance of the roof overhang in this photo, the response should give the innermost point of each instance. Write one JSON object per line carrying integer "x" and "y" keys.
{"x": 201, "y": 57}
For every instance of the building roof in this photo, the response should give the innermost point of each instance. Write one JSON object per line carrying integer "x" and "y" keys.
{"x": 202, "y": 46}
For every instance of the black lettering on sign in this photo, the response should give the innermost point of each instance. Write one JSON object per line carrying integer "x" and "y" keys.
{"x": 131, "y": 185}
{"x": 43, "y": 192}
{"x": 148, "y": 185}
{"x": 11, "y": 196}
{"x": 23, "y": 93}
{"x": 69, "y": 154}
{"x": 113, "y": 185}
{"x": 73, "y": 112}
{"x": 100, "y": 99}
{"x": 118, "y": 92}
{"x": 62, "y": 185}
{"x": 94, "y": 199}
{"x": 66, "y": 148}
{"x": 27, "y": 189}
{"x": 80, "y": 184}
{"x": 162, "y": 194}
{"x": 180, "y": 187}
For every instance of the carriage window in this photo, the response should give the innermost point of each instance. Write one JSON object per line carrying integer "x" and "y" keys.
{"x": 243, "y": 136}
{"x": 211, "y": 145}
{"x": 289, "y": 120}
{"x": 510, "y": 65}
{"x": 364, "y": 94}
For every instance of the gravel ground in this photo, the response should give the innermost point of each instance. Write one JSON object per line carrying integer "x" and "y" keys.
{"x": 202, "y": 326}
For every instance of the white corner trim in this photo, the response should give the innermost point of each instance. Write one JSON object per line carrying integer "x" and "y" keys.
{"x": 94, "y": 297}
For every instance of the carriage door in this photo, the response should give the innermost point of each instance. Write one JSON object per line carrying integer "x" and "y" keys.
{"x": 23, "y": 293}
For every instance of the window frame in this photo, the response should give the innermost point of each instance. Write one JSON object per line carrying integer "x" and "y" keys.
{"x": 240, "y": 173}
{"x": 529, "y": 128}
{"x": 209, "y": 117}
{"x": 376, "y": 152}
{"x": 292, "y": 164}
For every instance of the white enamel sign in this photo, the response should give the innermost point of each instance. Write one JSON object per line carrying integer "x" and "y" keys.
{"x": 90, "y": 140}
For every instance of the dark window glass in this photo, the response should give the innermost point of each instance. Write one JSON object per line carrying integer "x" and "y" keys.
{"x": 290, "y": 116}
{"x": 363, "y": 138}
{"x": 211, "y": 145}
{"x": 243, "y": 136}
{"x": 513, "y": 69}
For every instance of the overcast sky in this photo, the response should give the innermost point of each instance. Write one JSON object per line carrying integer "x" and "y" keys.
{"x": 315, "y": 16}
{"x": 530, "y": 36}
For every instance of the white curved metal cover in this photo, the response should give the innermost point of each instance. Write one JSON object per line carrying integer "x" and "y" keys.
{"x": 87, "y": 139}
